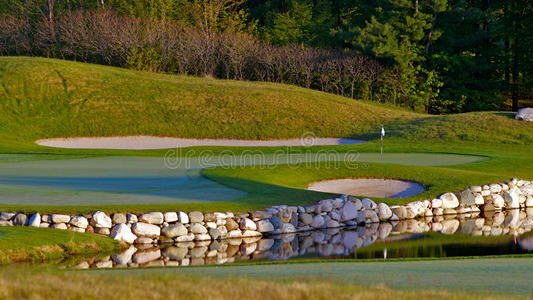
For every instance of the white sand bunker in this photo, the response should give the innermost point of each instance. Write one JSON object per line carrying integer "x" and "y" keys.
{"x": 381, "y": 188}
{"x": 154, "y": 142}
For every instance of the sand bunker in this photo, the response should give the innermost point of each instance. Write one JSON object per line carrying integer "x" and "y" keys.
{"x": 153, "y": 142}
{"x": 381, "y": 188}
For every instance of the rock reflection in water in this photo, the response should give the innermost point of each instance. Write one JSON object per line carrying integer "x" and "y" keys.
{"x": 324, "y": 243}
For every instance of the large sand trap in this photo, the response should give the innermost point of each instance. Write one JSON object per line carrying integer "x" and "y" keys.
{"x": 154, "y": 142}
{"x": 381, "y": 188}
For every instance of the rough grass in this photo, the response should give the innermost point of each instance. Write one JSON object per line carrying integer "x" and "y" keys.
{"x": 44, "y": 244}
{"x": 20, "y": 283}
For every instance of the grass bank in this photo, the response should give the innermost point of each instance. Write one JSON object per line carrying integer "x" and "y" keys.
{"x": 18, "y": 244}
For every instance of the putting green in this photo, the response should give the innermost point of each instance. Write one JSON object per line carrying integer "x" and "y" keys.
{"x": 509, "y": 276}
{"x": 40, "y": 180}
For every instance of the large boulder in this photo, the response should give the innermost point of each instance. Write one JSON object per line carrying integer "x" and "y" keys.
{"x": 247, "y": 224}
{"x": 384, "y": 212}
{"x": 265, "y": 226}
{"x": 146, "y": 230}
{"x": 122, "y": 233}
{"x": 60, "y": 218}
{"x": 317, "y": 222}
{"x": 196, "y": 217}
{"x": 174, "y": 230}
{"x": 101, "y": 220}
{"x": 512, "y": 198}
{"x": 449, "y": 200}
{"x": 525, "y": 114}
{"x": 152, "y": 218}
{"x": 467, "y": 198}
{"x": 35, "y": 220}
{"x": 349, "y": 211}
{"x": 79, "y": 221}
{"x": 198, "y": 228}
{"x": 20, "y": 220}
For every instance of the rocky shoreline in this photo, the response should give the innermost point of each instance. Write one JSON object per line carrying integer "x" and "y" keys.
{"x": 345, "y": 211}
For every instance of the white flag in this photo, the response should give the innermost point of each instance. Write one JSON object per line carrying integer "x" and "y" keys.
{"x": 382, "y": 131}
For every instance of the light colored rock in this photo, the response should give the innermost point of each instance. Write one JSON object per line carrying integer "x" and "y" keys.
{"x": 479, "y": 200}
{"x": 79, "y": 221}
{"x": 467, "y": 198}
{"x": 476, "y": 189}
{"x": 371, "y": 216}
{"x": 119, "y": 218}
{"x": 202, "y": 237}
{"x": 349, "y": 211}
{"x": 247, "y": 224}
{"x": 102, "y": 230}
{"x": 44, "y": 225}
{"x": 101, "y": 220}
{"x": 317, "y": 222}
{"x": 60, "y": 218}
{"x": 170, "y": 217}
{"x": 512, "y": 198}
{"x": 495, "y": 188}
{"x": 156, "y": 218}
{"x": 287, "y": 228}
{"x": 265, "y": 226}
{"x": 122, "y": 233}
{"x": 234, "y": 234}
{"x": 400, "y": 211}
{"x": 368, "y": 203}
{"x": 6, "y": 223}
{"x": 35, "y": 220}
{"x": 174, "y": 230}
{"x": 449, "y": 200}
{"x": 436, "y": 203}
{"x": 185, "y": 238}
{"x": 306, "y": 218}
{"x": 6, "y": 216}
{"x": 20, "y": 220}
{"x": 197, "y": 228}
{"x": 62, "y": 226}
{"x": 196, "y": 217}
{"x": 525, "y": 114}
{"x": 131, "y": 218}
{"x": 146, "y": 230}
{"x": 384, "y": 211}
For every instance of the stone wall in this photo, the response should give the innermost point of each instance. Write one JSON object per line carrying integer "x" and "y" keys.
{"x": 175, "y": 227}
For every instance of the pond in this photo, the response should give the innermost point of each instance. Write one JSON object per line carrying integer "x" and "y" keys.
{"x": 500, "y": 233}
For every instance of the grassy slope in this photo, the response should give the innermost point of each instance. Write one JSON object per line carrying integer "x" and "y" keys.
{"x": 111, "y": 101}
{"x": 43, "y": 244}
{"x": 106, "y": 101}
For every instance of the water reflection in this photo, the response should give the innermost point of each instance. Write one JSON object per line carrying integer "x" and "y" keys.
{"x": 462, "y": 235}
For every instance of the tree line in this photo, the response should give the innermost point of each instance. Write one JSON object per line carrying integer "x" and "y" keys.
{"x": 437, "y": 56}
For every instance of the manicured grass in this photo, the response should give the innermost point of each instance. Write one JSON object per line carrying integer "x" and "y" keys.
{"x": 502, "y": 163}
{"x": 44, "y": 244}
{"x": 157, "y": 284}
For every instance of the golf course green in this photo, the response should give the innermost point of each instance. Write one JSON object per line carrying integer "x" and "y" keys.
{"x": 49, "y": 98}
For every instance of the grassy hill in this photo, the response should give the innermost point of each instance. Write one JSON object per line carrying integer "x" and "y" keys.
{"x": 42, "y": 98}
